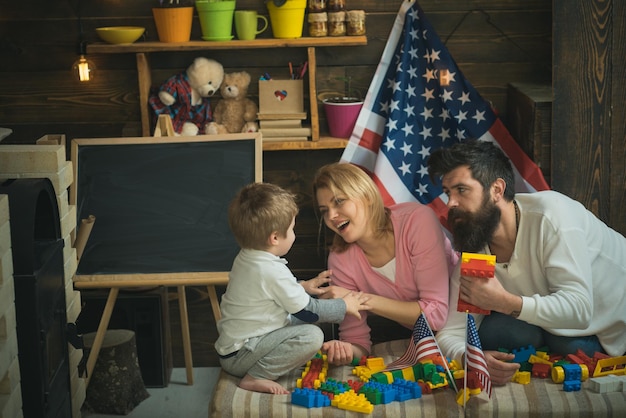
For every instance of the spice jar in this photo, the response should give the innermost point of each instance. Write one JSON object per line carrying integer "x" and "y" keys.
{"x": 337, "y": 24}
{"x": 356, "y": 22}
{"x": 317, "y": 24}
{"x": 317, "y": 6}
{"x": 336, "y": 5}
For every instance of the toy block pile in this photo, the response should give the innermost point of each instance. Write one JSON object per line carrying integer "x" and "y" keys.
{"x": 570, "y": 370}
{"x": 373, "y": 387}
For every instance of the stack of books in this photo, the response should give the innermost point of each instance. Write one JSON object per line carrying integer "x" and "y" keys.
{"x": 283, "y": 127}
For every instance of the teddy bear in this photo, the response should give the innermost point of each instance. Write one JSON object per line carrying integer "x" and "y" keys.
{"x": 234, "y": 112}
{"x": 185, "y": 96}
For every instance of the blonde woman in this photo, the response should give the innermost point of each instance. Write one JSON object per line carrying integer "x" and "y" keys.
{"x": 398, "y": 256}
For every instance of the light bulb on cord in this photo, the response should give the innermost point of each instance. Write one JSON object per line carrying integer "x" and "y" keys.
{"x": 83, "y": 69}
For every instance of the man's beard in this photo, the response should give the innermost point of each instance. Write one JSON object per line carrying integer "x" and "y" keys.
{"x": 472, "y": 231}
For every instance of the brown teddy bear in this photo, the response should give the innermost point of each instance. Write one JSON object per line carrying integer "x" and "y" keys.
{"x": 235, "y": 112}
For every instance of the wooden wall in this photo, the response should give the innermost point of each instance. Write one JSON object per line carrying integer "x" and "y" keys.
{"x": 589, "y": 112}
{"x": 494, "y": 42}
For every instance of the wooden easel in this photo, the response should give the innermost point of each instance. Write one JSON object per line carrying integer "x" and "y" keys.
{"x": 164, "y": 128}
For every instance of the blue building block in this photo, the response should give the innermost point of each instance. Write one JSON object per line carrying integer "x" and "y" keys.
{"x": 309, "y": 398}
{"x": 572, "y": 372}
{"x": 571, "y": 385}
{"x": 406, "y": 390}
{"x": 523, "y": 354}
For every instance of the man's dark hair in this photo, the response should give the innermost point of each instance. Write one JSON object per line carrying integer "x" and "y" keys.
{"x": 485, "y": 160}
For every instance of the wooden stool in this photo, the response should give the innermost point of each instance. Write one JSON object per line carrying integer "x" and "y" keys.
{"x": 116, "y": 385}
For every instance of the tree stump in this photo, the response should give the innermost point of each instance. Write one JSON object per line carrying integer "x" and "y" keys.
{"x": 116, "y": 385}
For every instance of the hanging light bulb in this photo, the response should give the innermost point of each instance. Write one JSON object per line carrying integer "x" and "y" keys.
{"x": 83, "y": 69}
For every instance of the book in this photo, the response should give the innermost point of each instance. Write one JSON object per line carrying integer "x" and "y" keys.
{"x": 281, "y": 123}
{"x": 283, "y": 132}
{"x": 285, "y": 138}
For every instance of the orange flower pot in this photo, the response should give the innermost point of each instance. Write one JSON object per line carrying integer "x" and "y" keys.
{"x": 173, "y": 23}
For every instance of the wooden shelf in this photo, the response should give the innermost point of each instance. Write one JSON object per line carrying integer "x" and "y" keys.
{"x": 322, "y": 143}
{"x": 144, "y": 75}
{"x": 104, "y": 48}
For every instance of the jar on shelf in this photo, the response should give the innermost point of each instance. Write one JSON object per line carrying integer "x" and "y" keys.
{"x": 336, "y": 5}
{"x": 337, "y": 24}
{"x": 356, "y": 22}
{"x": 317, "y": 6}
{"x": 318, "y": 24}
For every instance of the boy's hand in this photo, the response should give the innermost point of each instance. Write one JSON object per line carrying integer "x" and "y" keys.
{"x": 334, "y": 292}
{"x": 356, "y": 302}
{"x": 314, "y": 286}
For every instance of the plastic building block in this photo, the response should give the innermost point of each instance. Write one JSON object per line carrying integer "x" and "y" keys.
{"x": 476, "y": 265}
{"x": 406, "y": 390}
{"x": 522, "y": 378}
{"x": 611, "y": 365}
{"x": 541, "y": 370}
{"x": 375, "y": 364}
{"x": 571, "y": 385}
{"x": 536, "y": 359}
{"x": 606, "y": 384}
{"x": 351, "y": 401}
{"x": 378, "y": 393}
{"x": 523, "y": 354}
{"x": 309, "y": 398}
{"x": 462, "y": 397}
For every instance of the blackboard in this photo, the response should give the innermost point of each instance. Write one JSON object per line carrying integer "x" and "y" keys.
{"x": 161, "y": 204}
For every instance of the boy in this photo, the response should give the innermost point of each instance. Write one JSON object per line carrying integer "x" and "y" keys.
{"x": 267, "y": 326}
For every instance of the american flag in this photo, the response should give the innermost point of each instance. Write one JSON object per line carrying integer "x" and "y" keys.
{"x": 421, "y": 345}
{"x": 474, "y": 357}
{"x": 418, "y": 102}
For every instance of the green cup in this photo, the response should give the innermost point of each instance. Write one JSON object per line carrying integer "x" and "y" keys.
{"x": 247, "y": 24}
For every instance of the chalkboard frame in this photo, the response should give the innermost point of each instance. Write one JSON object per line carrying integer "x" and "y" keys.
{"x": 125, "y": 279}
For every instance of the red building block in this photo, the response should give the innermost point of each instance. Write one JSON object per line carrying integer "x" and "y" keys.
{"x": 476, "y": 265}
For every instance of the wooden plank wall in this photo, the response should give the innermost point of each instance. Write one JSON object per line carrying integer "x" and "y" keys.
{"x": 494, "y": 42}
{"x": 588, "y": 128}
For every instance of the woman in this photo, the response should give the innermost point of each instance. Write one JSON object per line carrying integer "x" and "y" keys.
{"x": 399, "y": 256}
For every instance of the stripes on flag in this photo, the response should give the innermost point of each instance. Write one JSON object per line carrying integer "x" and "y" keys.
{"x": 474, "y": 356}
{"x": 421, "y": 345}
{"x": 418, "y": 102}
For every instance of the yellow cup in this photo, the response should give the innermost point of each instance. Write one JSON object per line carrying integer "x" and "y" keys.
{"x": 247, "y": 24}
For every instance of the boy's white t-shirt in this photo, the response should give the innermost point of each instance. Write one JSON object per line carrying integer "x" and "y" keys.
{"x": 260, "y": 296}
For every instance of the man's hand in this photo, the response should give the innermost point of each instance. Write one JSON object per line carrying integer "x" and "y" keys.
{"x": 500, "y": 368}
{"x": 488, "y": 293}
{"x": 315, "y": 286}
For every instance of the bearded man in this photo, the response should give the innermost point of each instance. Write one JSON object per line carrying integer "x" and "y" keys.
{"x": 560, "y": 276}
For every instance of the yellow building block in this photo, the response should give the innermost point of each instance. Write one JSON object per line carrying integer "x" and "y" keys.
{"x": 538, "y": 360}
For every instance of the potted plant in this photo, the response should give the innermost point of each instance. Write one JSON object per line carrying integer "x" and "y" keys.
{"x": 342, "y": 110}
{"x": 216, "y": 19}
{"x": 173, "y": 19}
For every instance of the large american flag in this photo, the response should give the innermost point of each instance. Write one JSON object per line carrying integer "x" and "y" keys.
{"x": 421, "y": 345}
{"x": 418, "y": 102}
{"x": 474, "y": 356}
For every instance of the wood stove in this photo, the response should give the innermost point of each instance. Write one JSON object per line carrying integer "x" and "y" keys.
{"x": 37, "y": 249}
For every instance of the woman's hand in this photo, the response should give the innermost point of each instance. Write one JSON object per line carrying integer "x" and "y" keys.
{"x": 339, "y": 353}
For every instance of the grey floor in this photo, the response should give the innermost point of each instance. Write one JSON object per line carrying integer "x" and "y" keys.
{"x": 177, "y": 399}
